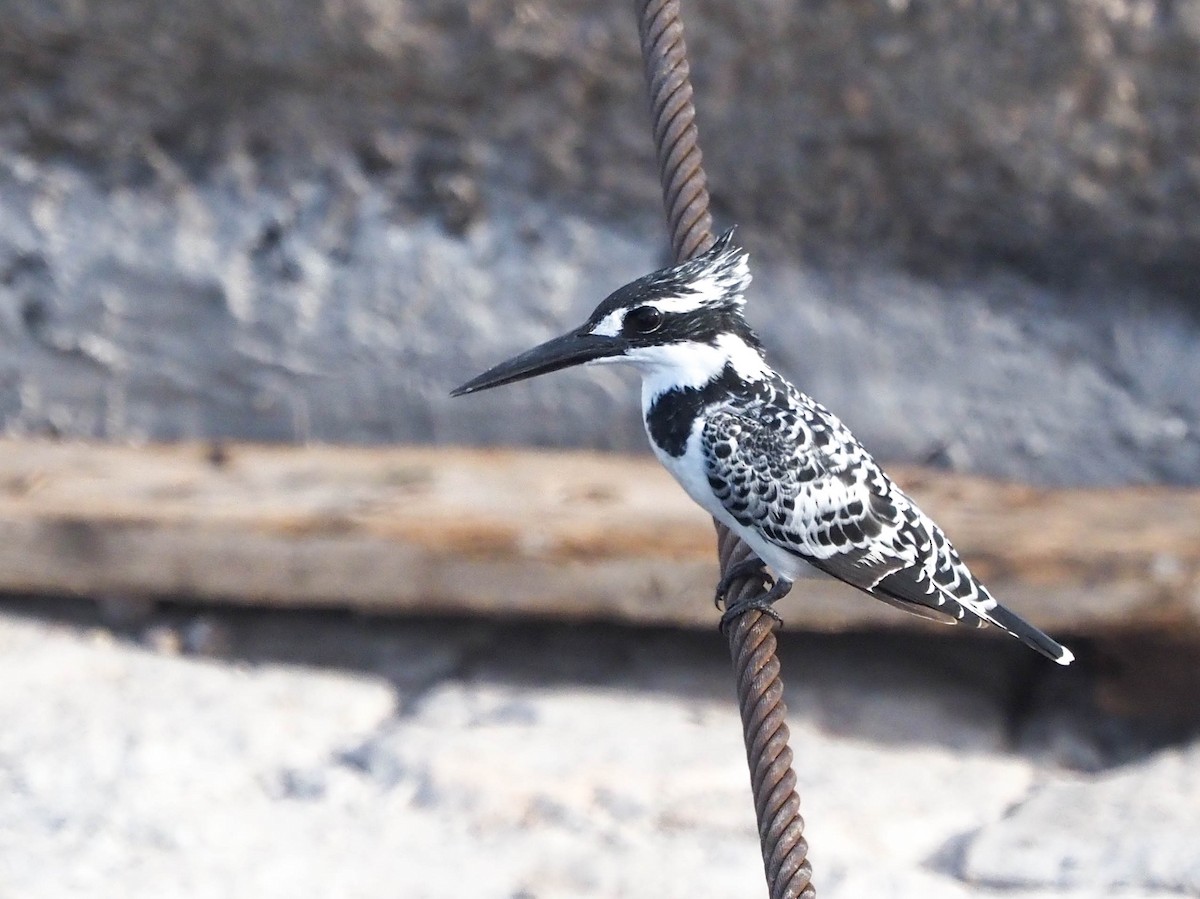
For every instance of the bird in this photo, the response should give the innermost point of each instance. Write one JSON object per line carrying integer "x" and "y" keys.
{"x": 763, "y": 458}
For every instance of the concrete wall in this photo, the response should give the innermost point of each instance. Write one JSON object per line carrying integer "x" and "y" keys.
{"x": 976, "y": 228}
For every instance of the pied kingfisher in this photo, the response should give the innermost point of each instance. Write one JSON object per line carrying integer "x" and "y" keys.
{"x": 761, "y": 457}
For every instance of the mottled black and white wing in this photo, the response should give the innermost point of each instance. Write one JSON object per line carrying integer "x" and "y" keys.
{"x": 786, "y": 468}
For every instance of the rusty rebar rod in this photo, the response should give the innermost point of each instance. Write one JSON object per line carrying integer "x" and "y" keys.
{"x": 752, "y": 635}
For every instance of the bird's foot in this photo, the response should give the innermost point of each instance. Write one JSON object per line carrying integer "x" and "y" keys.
{"x": 763, "y": 603}
{"x": 742, "y": 570}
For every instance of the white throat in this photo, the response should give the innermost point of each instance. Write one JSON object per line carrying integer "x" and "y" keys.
{"x": 687, "y": 364}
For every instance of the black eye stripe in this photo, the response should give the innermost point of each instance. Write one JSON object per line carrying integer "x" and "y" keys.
{"x": 643, "y": 320}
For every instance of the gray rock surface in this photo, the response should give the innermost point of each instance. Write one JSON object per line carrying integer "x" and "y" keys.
{"x": 1102, "y": 834}
{"x": 331, "y": 756}
{"x": 974, "y": 227}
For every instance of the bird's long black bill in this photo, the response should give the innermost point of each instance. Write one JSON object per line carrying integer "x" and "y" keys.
{"x": 561, "y": 352}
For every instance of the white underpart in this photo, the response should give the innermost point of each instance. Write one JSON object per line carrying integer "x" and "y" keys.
{"x": 689, "y": 470}
{"x": 690, "y": 364}
{"x": 693, "y": 365}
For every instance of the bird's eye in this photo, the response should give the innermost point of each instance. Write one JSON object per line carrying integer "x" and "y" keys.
{"x": 643, "y": 320}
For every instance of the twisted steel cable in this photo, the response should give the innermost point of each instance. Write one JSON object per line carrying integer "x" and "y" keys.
{"x": 764, "y": 728}
{"x": 673, "y": 118}
{"x": 752, "y": 636}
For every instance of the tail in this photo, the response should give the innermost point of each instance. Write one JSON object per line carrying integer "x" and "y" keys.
{"x": 931, "y": 600}
{"x": 1029, "y": 635}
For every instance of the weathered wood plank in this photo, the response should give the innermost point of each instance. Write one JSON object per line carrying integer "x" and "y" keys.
{"x": 575, "y": 535}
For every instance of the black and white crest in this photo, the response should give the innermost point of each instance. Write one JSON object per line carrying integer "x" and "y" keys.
{"x": 718, "y": 277}
{"x": 709, "y": 288}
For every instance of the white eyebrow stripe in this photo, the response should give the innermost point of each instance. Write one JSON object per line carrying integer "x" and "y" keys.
{"x": 676, "y": 304}
{"x": 611, "y": 324}
{"x": 706, "y": 291}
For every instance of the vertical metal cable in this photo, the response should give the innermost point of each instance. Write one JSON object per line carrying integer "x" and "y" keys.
{"x": 673, "y": 119}
{"x": 752, "y": 635}
{"x": 764, "y": 727}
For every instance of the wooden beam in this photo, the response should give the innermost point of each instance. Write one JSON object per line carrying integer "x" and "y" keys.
{"x": 570, "y": 535}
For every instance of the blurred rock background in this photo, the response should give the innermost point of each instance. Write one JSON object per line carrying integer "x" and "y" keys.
{"x": 975, "y": 227}
{"x": 315, "y": 755}
{"x": 976, "y": 236}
